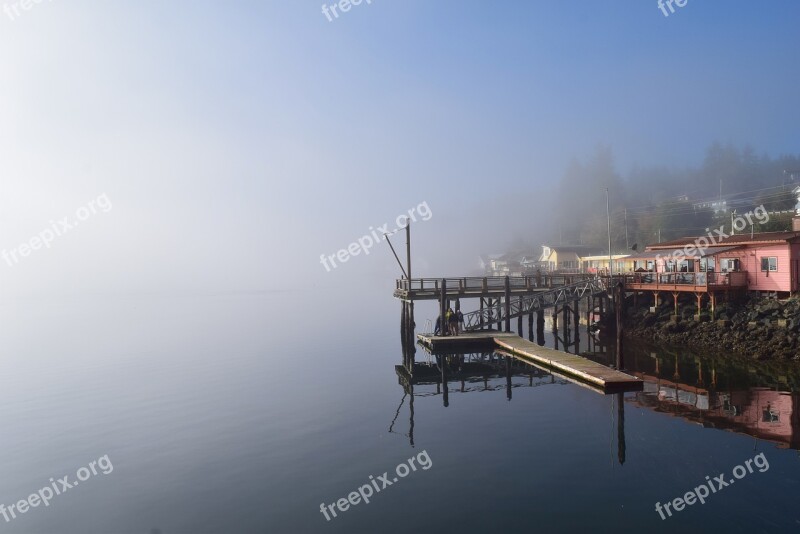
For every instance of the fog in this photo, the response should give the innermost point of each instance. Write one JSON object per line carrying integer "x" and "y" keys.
{"x": 237, "y": 143}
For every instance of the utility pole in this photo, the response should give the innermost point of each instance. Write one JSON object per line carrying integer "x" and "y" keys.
{"x": 408, "y": 248}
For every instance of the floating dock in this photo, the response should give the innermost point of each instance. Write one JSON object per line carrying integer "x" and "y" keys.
{"x": 572, "y": 365}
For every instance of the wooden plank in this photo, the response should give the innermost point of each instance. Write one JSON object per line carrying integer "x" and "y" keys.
{"x": 569, "y": 364}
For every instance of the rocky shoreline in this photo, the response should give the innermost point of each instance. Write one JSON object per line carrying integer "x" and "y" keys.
{"x": 760, "y": 329}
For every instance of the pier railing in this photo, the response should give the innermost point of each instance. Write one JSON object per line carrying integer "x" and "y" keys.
{"x": 530, "y": 303}
{"x": 485, "y": 283}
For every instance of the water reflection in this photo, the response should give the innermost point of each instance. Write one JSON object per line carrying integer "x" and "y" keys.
{"x": 720, "y": 392}
{"x": 441, "y": 374}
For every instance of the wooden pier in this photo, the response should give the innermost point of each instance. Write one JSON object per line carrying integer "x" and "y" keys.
{"x": 569, "y": 364}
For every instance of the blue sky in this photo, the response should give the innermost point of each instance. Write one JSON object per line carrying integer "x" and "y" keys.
{"x": 232, "y": 134}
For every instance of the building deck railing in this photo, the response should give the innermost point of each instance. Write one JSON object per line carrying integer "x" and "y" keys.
{"x": 686, "y": 281}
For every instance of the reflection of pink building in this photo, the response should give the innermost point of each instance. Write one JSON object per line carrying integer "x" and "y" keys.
{"x": 760, "y": 412}
{"x": 771, "y": 415}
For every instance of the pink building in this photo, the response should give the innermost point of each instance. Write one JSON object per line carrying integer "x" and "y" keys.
{"x": 710, "y": 269}
{"x": 767, "y": 261}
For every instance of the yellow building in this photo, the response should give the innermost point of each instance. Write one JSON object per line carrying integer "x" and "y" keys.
{"x": 565, "y": 259}
{"x": 594, "y": 264}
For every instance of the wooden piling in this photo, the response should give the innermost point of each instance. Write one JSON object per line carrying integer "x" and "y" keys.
{"x": 621, "y": 428}
{"x": 530, "y": 326}
{"x": 443, "y": 308}
{"x": 508, "y": 303}
{"x": 620, "y": 304}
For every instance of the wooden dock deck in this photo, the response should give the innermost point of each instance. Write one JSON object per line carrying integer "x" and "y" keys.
{"x": 569, "y": 364}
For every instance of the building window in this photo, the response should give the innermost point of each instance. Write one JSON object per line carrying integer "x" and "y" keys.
{"x": 731, "y": 409}
{"x": 770, "y": 416}
{"x": 769, "y": 264}
{"x": 729, "y": 264}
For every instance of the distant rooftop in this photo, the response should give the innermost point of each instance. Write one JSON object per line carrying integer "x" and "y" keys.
{"x": 759, "y": 238}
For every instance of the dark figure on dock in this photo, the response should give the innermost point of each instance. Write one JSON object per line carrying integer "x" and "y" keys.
{"x": 460, "y": 324}
{"x": 452, "y": 321}
{"x": 438, "y": 328}
{"x": 538, "y": 278}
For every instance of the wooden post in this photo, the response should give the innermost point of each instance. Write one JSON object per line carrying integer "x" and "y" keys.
{"x": 403, "y": 329}
{"x": 590, "y": 306}
{"x": 565, "y": 313}
{"x": 443, "y": 308}
{"x": 499, "y": 320}
{"x": 508, "y": 377}
{"x": 699, "y": 304}
{"x": 530, "y": 326}
{"x": 508, "y": 303}
{"x": 675, "y": 295}
{"x": 621, "y": 428}
{"x": 519, "y": 319}
{"x": 540, "y": 327}
{"x": 408, "y": 251}
{"x": 713, "y": 306}
{"x": 481, "y": 314}
{"x": 576, "y": 319}
{"x": 620, "y": 304}
{"x": 445, "y": 393}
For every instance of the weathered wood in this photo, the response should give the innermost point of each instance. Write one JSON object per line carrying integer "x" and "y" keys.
{"x": 619, "y": 298}
{"x": 443, "y": 307}
{"x": 569, "y": 364}
{"x": 508, "y": 304}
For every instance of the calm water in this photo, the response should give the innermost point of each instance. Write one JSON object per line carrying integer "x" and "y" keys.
{"x": 227, "y": 413}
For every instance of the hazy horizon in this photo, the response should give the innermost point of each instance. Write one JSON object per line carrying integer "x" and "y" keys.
{"x": 238, "y": 143}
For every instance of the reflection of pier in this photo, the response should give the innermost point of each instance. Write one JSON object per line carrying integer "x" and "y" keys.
{"x": 469, "y": 373}
{"x": 482, "y": 372}
{"x": 574, "y": 366}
